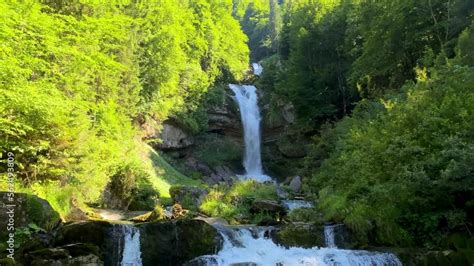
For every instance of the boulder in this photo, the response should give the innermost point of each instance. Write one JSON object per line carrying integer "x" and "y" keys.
{"x": 24, "y": 209}
{"x": 299, "y": 235}
{"x": 188, "y": 197}
{"x": 172, "y": 137}
{"x": 295, "y": 184}
{"x": 270, "y": 206}
{"x": 173, "y": 243}
{"x": 92, "y": 232}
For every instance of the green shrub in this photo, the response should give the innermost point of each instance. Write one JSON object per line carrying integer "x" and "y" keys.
{"x": 233, "y": 202}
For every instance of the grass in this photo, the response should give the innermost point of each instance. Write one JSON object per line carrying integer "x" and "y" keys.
{"x": 233, "y": 202}
{"x": 161, "y": 174}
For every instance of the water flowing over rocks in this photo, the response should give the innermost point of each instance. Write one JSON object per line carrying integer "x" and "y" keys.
{"x": 254, "y": 246}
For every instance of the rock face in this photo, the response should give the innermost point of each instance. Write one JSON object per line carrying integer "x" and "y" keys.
{"x": 188, "y": 196}
{"x": 173, "y": 243}
{"x": 173, "y": 137}
{"x": 225, "y": 119}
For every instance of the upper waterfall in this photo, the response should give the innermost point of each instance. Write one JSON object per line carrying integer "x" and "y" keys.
{"x": 246, "y": 97}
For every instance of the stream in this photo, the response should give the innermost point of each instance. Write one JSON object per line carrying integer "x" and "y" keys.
{"x": 253, "y": 245}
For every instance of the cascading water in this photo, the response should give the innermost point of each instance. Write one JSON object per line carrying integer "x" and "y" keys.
{"x": 296, "y": 204}
{"x": 246, "y": 97}
{"x": 329, "y": 236}
{"x": 253, "y": 246}
{"x": 257, "y": 69}
{"x": 126, "y": 245}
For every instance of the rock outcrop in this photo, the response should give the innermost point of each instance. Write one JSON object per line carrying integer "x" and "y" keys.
{"x": 173, "y": 137}
{"x": 299, "y": 235}
{"x": 173, "y": 243}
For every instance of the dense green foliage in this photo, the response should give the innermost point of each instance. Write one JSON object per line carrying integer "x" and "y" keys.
{"x": 261, "y": 22}
{"x": 397, "y": 169}
{"x": 75, "y": 75}
{"x": 383, "y": 88}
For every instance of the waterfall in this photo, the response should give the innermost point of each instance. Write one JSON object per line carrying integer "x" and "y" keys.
{"x": 246, "y": 97}
{"x": 253, "y": 246}
{"x": 296, "y": 204}
{"x": 257, "y": 69}
{"x": 329, "y": 236}
{"x": 126, "y": 245}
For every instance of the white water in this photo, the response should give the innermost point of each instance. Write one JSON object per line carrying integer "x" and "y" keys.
{"x": 131, "y": 255}
{"x": 329, "y": 236}
{"x": 296, "y": 204}
{"x": 257, "y": 69}
{"x": 246, "y": 97}
{"x": 243, "y": 245}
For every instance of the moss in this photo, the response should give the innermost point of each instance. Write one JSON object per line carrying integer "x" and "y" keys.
{"x": 300, "y": 235}
{"x": 40, "y": 213}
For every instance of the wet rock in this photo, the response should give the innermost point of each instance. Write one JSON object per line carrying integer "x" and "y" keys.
{"x": 295, "y": 184}
{"x": 188, "y": 197}
{"x": 173, "y": 137}
{"x": 173, "y": 243}
{"x": 270, "y": 206}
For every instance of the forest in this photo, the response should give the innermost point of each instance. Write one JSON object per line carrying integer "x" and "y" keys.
{"x": 367, "y": 113}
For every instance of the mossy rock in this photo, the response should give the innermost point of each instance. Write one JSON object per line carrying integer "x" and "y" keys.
{"x": 173, "y": 243}
{"x": 28, "y": 209}
{"x": 299, "y": 235}
{"x": 94, "y": 232}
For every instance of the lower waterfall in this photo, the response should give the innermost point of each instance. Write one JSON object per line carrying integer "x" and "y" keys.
{"x": 252, "y": 246}
{"x": 126, "y": 241}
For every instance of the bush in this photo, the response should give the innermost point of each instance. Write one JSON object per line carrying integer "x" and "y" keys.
{"x": 405, "y": 174}
{"x": 233, "y": 202}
